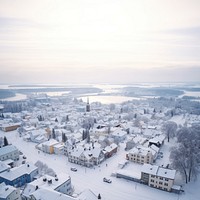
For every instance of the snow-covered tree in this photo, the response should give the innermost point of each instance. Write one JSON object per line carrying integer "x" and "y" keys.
{"x": 5, "y": 141}
{"x": 169, "y": 128}
{"x": 186, "y": 156}
{"x": 44, "y": 169}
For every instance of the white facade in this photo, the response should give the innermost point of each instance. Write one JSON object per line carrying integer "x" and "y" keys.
{"x": 9, "y": 152}
{"x": 8, "y": 192}
{"x": 141, "y": 155}
{"x": 158, "y": 177}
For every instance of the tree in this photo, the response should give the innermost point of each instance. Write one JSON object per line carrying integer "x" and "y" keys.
{"x": 169, "y": 128}
{"x": 99, "y": 196}
{"x": 53, "y": 133}
{"x": 186, "y": 157}
{"x": 64, "y": 138}
{"x": 56, "y": 120}
{"x": 44, "y": 169}
{"x": 5, "y": 141}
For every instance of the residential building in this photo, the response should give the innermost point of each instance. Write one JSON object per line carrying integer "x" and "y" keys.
{"x": 48, "y": 146}
{"x": 19, "y": 176}
{"x": 9, "y": 152}
{"x": 10, "y": 127}
{"x": 158, "y": 177}
{"x": 110, "y": 150}
{"x": 141, "y": 155}
{"x": 60, "y": 183}
{"x": 8, "y": 192}
{"x": 86, "y": 156}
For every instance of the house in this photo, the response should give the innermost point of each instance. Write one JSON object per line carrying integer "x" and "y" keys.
{"x": 46, "y": 194}
{"x": 86, "y": 156}
{"x": 9, "y": 152}
{"x": 119, "y": 135}
{"x": 110, "y": 150}
{"x": 141, "y": 155}
{"x": 158, "y": 177}
{"x": 59, "y": 148}
{"x": 19, "y": 176}
{"x": 10, "y": 127}
{"x": 158, "y": 140}
{"x": 3, "y": 167}
{"x": 8, "y": 192}
{"x": 48, "y": 146}
{"x": 60, "y": 183}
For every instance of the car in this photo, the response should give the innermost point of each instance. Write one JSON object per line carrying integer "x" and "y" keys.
{"x": 23, "y": 162}
{"x": 24, "y": 157}
{"x": 73, "y": 169}
{"x": 107, "y": 180}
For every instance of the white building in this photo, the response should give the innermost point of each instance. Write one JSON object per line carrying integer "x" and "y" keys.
{"x": 158, "y": 177}
{"x": 142, "y": 155}
{"x": 8, "y": 192}
{"x": 9, "y": 152}
{"x": 60, "y": 183}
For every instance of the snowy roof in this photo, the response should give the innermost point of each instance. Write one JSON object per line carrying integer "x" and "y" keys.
{"x": 140, "y": 150}
{"x": 167, "y": 173}
{"x": 119, "y": 133}
{"x": 44, "y": 194}
{"x": 3, "y": 166}
{"x": 110, "y": 147}
{"x": 158, "y": 171}
{"x": 5, "y": 190}
{"x": 7, "y": 149}
{"x": 16, "y": 172}
{"x": 40, "y": 183}
{"x": 87, "y": 195}
{"x": 50, "y": 142}
{"x": 149, "y": 169}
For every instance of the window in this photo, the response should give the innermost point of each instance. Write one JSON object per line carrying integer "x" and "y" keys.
{"x": 152, "y": 180}
{"x": 161, "y": 178}
{"x": 160, "y": 183}
{"x": 152, "y": 176}
{"x": 167, "y": 179}
{"x": 166, "y": 184}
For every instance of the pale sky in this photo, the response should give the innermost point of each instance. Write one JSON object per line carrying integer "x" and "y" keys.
{"x": 99, "y": 41}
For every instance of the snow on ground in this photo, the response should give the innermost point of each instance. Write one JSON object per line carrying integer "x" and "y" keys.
{"x": 92, "y": 178}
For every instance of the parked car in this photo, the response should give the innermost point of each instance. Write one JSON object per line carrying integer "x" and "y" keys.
{"x": 73, "y": 169}
{"x": 24, "y": 157}
{"x": 107, "y": 180}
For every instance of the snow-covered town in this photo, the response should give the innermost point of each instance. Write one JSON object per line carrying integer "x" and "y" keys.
{"x": 66, "y": 149}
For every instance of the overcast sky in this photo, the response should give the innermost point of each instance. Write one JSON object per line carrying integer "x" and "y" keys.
{"x": 99, "y": 41}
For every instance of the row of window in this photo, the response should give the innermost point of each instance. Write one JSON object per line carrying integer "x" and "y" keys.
{"x": 165, "y": 184}
{"x": 161, "y": 178}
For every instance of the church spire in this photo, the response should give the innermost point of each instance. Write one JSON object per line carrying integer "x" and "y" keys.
{"x": 88, "y": 105}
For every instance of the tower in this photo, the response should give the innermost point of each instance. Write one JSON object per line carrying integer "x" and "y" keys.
{"x": 88, "y": 106}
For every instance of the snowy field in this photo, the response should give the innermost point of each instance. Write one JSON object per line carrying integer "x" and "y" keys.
{"x": 119, "y": 189}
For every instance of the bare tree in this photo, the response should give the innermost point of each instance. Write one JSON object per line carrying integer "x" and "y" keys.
{"x": 186, "y": 157}
{"x": 169, "y": 128}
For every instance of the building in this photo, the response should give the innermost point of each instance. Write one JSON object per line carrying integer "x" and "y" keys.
{"x": 3, "y": 167}
{"x": 142, "y": 155}
{"x": 48, "y": 146}
{"x": 88, "y": 106}
{"x": 8, "y": 192}
{"x": 110, "y": 150}
{"x": 10, "y": 127}
{"x": 86, "y": 156}
{"x": 19, "y": 176}
{"x": 158, "y": 177}
{"x": 9, "y": 152}
{"x": 60, "y": 183}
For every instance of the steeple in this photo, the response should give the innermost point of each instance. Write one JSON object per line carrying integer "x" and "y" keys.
{"x": 88, "y": 105}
